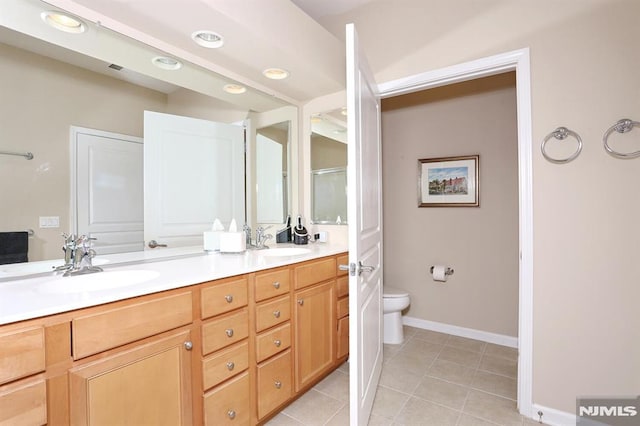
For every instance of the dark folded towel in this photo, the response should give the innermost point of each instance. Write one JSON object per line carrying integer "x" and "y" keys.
{"x": 13, "y": 247}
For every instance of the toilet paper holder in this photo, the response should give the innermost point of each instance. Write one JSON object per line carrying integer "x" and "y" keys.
{"x": 448, "y": 271}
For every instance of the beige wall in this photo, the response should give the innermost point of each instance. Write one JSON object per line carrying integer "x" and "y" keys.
{"x": 584, "y": 75}
{"x": 41, "y": 98}
{"x": 481, "y": 244}
{"x": 327, "y": 153}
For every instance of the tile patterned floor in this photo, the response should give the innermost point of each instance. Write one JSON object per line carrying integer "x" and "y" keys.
{"x": 432, "y": 379}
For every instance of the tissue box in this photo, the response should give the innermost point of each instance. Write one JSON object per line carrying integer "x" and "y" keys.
{"x": 232, "y": 242}
{"x": 211, "y": 240}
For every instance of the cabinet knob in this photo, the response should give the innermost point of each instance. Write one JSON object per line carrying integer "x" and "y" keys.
{"x": 228, "y": 298}
{"x": 300, "y": 302}
{"x": 229, "y": 332}
{"x": 276, "y": 314}
{"x": 231, "y": 414}
{"x": 230, "y": 365}
{"x": 278, "y": 384}
{"x": 276, "y": 285}
{"x": 277, "y": 343}
{"x": 188, "y": 345}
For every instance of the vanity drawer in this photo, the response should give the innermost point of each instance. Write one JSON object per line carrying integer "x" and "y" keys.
{"x": 274, "y": 383}
{"x": 271, "y": 342}
{"x": 225, "y": 364}
{"x": 24, "y": 404}
{"x": 224, "y": 297}
{"x": 224, "y": 331}
{"x": 271, "y": 284}
{"x": 314, "y": 272}
{"x": 343, "y": 286}
{"x": 272, "y": 313}
{"x": 21, "y": 353}
{"x": 96, "y": 333}
{"x": 342, "y": 307}
{"x": 342, "y": 260}
{"x": 228, "y": 404}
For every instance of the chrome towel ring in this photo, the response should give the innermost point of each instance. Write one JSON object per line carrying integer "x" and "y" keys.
{"x": 622, "y": 126}
{"x": 561, "y": 133}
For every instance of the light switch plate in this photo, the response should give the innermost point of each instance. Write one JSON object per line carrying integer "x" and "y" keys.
{"x": 49, "y": 221}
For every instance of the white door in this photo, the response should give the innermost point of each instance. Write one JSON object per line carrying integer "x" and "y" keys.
{"x": 365, "y": 232}
{"x": 108, "y": 189}
{"x": 193, "y": 174}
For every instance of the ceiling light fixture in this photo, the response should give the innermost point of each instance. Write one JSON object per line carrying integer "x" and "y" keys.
{"x": 166, "y": 63}
{"x": 275, "y": 73}
{"x": 63, "y": 22}
{"x": 208, "y": 39}
{"x": 234, "y": 89}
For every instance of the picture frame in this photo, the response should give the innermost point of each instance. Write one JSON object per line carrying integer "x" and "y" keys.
{"x": 449, "y": 181}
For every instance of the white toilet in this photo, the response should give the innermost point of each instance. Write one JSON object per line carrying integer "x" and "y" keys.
{"x": 394, "y": 301}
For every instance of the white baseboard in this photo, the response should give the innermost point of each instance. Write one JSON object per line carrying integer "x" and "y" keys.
{"x": 485, "y": 336}
{"x": 553, "y": 417}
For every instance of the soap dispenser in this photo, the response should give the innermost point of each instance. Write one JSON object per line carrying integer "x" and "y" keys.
{"x": 300, "y": 234}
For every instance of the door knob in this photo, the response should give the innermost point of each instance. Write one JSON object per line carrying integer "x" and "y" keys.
{"x": 363, "y": 268}
{"x": 154, "y": 244}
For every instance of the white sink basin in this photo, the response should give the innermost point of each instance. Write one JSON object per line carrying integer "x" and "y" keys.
{"x": 98, "y": 281}
{"x": 284, "y": 251}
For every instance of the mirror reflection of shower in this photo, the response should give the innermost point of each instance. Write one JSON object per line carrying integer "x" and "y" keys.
{"x": 329, "y": 168}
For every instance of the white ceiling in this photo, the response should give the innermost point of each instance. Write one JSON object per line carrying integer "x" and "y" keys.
{"x": 258, "y": 35}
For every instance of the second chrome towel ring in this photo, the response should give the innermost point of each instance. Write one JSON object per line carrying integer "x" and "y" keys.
{"x": 561, "y": 133}
{"x": 622, "y": 126}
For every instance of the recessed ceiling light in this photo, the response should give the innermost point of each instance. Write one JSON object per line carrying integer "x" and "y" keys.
{"x": 234, "y": 89}
{"x": 275, "y": 73}
{"x": 208, "y": 39}
{"x": 63, "y": 22}
{"x": 166, "y": 63}
{"x": 315, "y": 119}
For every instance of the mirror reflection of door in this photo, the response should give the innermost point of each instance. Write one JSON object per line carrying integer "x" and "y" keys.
{"x": 328, "y": 168}
{"x": 272, "y": 145}
{"x": 193, "y": 174}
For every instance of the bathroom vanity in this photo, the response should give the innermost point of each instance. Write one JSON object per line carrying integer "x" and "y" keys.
{"x": 209, "y": 339}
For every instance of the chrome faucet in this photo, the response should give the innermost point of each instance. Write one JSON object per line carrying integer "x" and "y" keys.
{"x": 78, "y": 256}
{"x": 262, "y": 238}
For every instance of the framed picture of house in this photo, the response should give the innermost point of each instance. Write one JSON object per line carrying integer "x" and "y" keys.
{"x": 449, "y": 182}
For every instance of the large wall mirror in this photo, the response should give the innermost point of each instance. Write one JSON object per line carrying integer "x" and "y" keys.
{"x": 52, "y": 82}
{"x": 328, "y": 148}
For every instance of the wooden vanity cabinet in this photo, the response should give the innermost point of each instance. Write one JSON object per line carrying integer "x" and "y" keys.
{"x": 314, "y": 320}
{"x": 22, "y": 354}
{"x": 225, "y": 352}
{"x": 272, "y": 342}
{"x": 342, "y": 309}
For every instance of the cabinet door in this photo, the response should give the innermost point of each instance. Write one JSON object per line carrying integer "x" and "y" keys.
{"x": 145, "y": 385}
{"x": 315, "y": 330}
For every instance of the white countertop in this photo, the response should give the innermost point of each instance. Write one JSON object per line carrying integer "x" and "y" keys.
{"x": 142, "y": 273}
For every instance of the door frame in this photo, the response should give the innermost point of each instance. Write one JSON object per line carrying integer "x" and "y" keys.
{"x": 518, "y": 61}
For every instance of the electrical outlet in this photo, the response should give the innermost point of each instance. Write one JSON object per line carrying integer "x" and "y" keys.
{"x": 321, "y": 236}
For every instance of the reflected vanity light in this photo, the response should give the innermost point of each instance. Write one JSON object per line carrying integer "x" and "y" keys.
{"x": 166, "y": 63}
{"x": 208, "y": 39}
{"x": 234, "y": 89}
{"x": 63, "y": 22}
{"x": 275, "y": 73}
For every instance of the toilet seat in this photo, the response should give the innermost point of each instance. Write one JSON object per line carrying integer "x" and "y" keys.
{"x": 393, "y": 292}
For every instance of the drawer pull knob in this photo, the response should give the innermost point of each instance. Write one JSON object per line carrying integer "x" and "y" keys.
{"x": 230, "y": 365}
{"x": 228, "y": 298}
{"x": 188, "y": 345}
{"x": 277, "y": 343}
{"x": 276, "y": 285}
{"x": 276, "y": 314}
{"x": 229, "y": 332}
{"x": 278, "y": 384}
{"x": 300, "y": 302}
{"x": 231, "y": 414}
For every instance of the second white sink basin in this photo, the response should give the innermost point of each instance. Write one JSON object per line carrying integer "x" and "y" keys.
{"x": 284, "y": 251}
{"x": 96, "y": 282}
